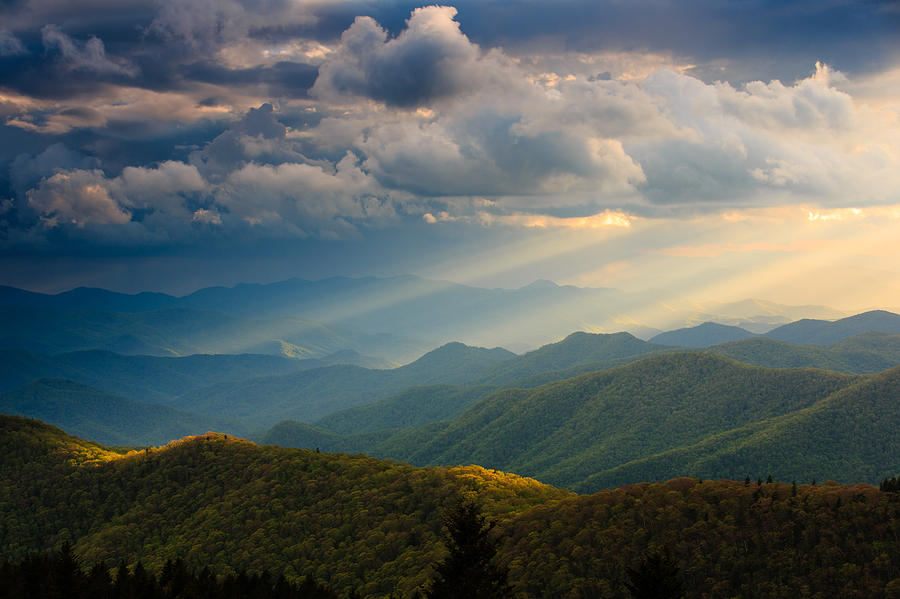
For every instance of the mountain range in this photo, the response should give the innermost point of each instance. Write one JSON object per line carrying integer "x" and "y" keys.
{"x": 589, "y": 411}
{"x": 397, "y": 318}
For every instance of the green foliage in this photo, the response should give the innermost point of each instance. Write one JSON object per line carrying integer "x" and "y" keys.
{"x": 576, "y": 349}
{"x": 862, "y": 354}
{"x": 373, "y": 527}
{"x": 351, "y": 521}
{"x": 566, "y": 432}
{"x": 411, "y": 408}
{"x": 656, "y": 577}
{"x": 59, "y": 576}
{"x": 827, "y": 332}
{"x": 290, "y": 433}
{"x": 106, "y": 418}
{"x": 727, "y": 540}
{"x": 846, "y": 436}
{"x": 469, "y": 570}
{"x": 309, "y": 395}
{"x": 143, "y": 378}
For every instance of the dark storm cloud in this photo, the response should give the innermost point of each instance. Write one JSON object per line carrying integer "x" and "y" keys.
{"x": 764, "y": 38}
{"x": 761, "y": 39}
{"x": 430, "y": 59}
{"x": 141, "y": 124}
{"x": 281, "y": 79}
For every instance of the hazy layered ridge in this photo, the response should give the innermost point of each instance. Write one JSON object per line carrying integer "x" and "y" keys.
{"x": 107, "y": 418}
{"x": 403, "y": 400}
{"x": 827, "y": 332}
{"x": 407, "y": 307}
{"x": 702, "y": 335}
{"x": 184, "y": 331}
{"x": 152, "y": 378}
{"x": 312, "y": 394}
{"x": 865, "y": 353}
{"x": 663, "y": 416}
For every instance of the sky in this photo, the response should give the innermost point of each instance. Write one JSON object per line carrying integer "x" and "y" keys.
{"x": 709, "y": 150}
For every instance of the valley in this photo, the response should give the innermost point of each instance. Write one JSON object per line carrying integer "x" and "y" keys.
{"x": 352, "y": 458}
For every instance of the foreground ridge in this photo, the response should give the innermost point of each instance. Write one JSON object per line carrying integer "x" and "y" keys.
{"x": 369, "y": 526}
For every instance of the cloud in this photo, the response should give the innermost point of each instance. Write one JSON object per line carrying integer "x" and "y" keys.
{"x": 257, "y": 137}
{"x": 429, "y": 60}
{"x": 76, "y": 198}
{"x": 766, "y": 143}
{"x": 204, "y": 124}
{"x": 90, "y": 56}
{"x": 10, "y": 44}
{"x": 140, "y": 206}
{"x": 26, "y": 170}
{"x": 302, "y": 199}
{"x": 206, "y": 24}
{"x": 602, "y": 220}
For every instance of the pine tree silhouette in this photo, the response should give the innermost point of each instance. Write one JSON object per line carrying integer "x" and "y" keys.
{"x": 470, "y": 570}
{"x": 655, "y": 578}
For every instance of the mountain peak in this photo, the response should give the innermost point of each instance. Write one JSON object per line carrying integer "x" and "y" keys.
{"x": 541, "y": 284}
{"x": 702, "y": 335}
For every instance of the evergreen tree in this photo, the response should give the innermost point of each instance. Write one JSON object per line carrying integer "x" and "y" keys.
{"x": 656, "y": 577}
{"x": 469, "y": 570}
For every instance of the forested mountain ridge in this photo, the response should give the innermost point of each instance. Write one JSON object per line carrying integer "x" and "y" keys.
{"x": 844, "y": 436}
{"x": 179, "y": 331}
{"x": 826, "y": 332}
{"x": 411, "y": 408}
{"x": 355, "y": 522}
{"x": 313, "y": 394}
{"x": 702, "y": 335}
{"x": 412, "y": 307}
{"x": 143, "y": 378}
{"x": 372, "y": 527}
{"x": 107, "y": 418}
{"x": 503, "y": 439}
{"x": 576, "y": 349}
{"x": 864, "y": 353}
{"x": 563, "y": 432}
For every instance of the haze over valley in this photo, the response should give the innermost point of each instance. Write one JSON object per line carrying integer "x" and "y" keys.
{"x": 505, "y": 300}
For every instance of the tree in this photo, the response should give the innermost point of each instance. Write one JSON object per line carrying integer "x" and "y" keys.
{"x": 655, "y": 578}
{"x": 470, "y": 569}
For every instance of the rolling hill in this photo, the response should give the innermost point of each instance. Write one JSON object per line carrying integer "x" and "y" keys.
{"x": 214, "y": 500}
{"x": 564, "y": 432}
{"x": 861, "y": 354}
{"x": 824, "y": 332}
{"x": 412, "y": 307}
{"x": 313, "y": 394}
{"x": 575, "y": 350}
{"x": 184, "y": 331}
{"x": 154, "y": 378}
{"x": 109, "y": 419}
{"x": 846, "y": 436}
{"x": 372, "y": 527}
{"x": 411, "y": 408}
{"x": 702, "y": 335}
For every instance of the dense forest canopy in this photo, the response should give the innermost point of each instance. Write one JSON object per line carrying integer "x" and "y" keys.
{"x": 372, "y": 527}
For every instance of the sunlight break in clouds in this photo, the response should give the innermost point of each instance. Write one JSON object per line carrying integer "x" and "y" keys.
{"x": 601, "y": 220}
{"x": 559, "y": 146}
